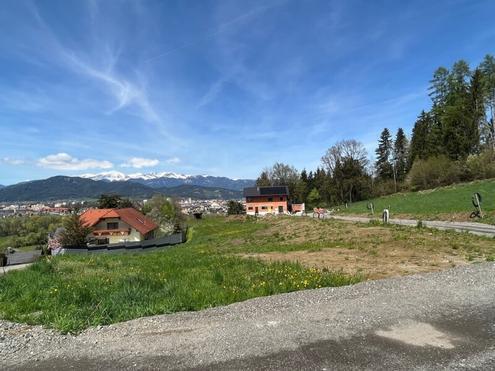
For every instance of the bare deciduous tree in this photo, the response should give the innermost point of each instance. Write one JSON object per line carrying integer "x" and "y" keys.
{"x": 346, "y": 149}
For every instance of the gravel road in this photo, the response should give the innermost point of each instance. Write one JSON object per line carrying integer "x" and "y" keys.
{"x": 443, "y": 320}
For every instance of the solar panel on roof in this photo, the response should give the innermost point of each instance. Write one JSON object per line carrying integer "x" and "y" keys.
{"x": 273, "y": 190}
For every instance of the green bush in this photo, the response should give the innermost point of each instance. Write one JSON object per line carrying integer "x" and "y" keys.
{"x": 434, "y": 172}
{"x": 235, "y": 208}
{"x": 481, "y": 166}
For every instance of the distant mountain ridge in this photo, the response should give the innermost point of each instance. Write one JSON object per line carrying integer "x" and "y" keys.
{"x": 170, "y": 179}
{"x": 77, "y": 188}
{"x": 201, "y": 192}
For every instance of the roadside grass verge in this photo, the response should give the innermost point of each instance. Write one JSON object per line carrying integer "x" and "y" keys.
{"x": 443, "y": 203}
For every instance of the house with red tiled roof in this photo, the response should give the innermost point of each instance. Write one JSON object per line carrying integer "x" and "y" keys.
{"x": 118, "y": 225}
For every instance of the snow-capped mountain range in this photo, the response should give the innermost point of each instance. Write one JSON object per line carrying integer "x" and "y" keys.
{"x": 170, "y": 179}
{"x": 117, "y": 176}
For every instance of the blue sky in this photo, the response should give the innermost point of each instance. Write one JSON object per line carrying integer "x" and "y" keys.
{"x": 216, "y": 87}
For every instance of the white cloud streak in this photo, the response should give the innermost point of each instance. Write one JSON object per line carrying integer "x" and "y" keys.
{"x": 11, "y": 161}
{"x": 139, "y": 162}
{"x": 173, "y": 161}
{"x": 64, "y": 161}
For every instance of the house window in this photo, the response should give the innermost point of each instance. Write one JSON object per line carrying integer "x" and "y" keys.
{"x": 270, "y": 199}
{"x": 250, "y": 208}
{"x": 113, "y": 225}
{"x": 263, "y": 207}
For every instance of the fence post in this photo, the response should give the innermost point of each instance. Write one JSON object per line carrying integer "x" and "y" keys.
{"x": 385, "y": 216}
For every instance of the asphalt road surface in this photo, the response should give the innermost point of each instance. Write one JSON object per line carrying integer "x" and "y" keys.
{"x": 443, "y": 320}
{"x": 474, "y": 228}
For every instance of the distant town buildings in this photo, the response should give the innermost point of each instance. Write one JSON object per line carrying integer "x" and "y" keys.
{"x": 190, "y": 206}
{"x": 35, "y": 209}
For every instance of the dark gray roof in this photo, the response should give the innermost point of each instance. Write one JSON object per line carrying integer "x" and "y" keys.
{"x": 266, "y": 191}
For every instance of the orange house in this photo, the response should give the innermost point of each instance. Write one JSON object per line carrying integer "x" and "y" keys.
{"x": 118, "y": 225}
{"x": 267, "y": 200}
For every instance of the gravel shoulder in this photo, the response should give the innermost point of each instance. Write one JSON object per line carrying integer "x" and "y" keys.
{"x": 435, "y": 320}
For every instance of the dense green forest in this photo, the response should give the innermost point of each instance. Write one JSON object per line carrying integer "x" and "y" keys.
{"x": 452, "y": 141}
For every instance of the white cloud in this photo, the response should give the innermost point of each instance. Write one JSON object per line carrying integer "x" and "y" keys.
{"x": 139, "y": 162}
{"x": 173, "y": 161}
{"x": 64, "y": 161}
{"x": 11, "y": 161}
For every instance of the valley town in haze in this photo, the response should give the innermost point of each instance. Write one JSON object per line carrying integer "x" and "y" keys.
{"x": 244, "y": 185}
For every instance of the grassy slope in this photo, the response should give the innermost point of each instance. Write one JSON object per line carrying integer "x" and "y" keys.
{"x": 73, "y": 292}
{"x": 433, "y": 203}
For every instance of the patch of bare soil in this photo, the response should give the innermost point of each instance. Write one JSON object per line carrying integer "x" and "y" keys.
{"x": 373, "y": 251}
{"x": 373, "y": 264}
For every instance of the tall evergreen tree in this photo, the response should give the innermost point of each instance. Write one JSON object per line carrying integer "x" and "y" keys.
{"x": 383, "y": 164}
{"x": 458, "y": 79}
{"x": 400, "y": 155}
{"x": 311, "y": 180}
{"x": 304, "y": 176}
{"x": 459, "y": 127}
{"x": 476, "y": 110}
{"x": 487, "y": 68}
{"x": 424, "y": 135}
{"x": 301, "y": 189}
{"x": 439, "y": 86}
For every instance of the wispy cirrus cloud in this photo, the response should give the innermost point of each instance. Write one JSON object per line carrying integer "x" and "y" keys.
{"x": 100, "y": 62}
{"x": 64, "y": 161}
{"x": 140, "y": 162}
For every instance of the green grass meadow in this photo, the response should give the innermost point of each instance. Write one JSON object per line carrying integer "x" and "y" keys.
{"x": 432, "y": 203}
{"x": 71, "y": 293}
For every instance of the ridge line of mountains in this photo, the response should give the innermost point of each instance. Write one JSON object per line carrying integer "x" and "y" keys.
{"x": 91, "y": 186}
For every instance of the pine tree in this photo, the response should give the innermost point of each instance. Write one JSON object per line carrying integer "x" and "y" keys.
{"x": 311, "y": 180}
{"x": 304, "y": 176}
{"x": 439, "y": 88}
{"x": 383, "y": 165}
{"x": 302, "y": 187}
{"x": 459, "y": 121}
{"x": 400, "y": 155}
{"x": 476, "y": 110}
{"x": 419, "y": 141}
{"x": 75, "y": 232}
{"x": 487, "y": 68}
